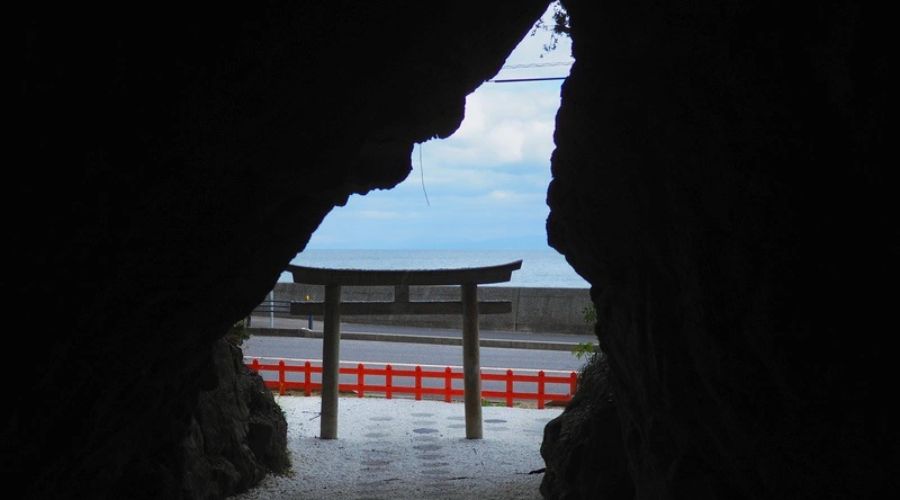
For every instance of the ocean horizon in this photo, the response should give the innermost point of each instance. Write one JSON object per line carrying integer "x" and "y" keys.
{"x": 540, "y": 268}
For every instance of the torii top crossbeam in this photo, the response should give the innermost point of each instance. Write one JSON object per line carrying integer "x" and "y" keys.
{"x": 369, "y": 277}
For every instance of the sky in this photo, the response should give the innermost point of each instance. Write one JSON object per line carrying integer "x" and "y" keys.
{"x": 486, "y": 184}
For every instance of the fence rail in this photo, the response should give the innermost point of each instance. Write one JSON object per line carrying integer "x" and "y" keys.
{"x": 278, "y": 307}
{"x": 389, "y": 373}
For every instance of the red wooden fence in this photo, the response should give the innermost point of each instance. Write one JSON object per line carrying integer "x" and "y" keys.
{"x": 390, "y": 374}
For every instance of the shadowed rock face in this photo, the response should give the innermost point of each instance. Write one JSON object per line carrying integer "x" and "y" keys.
{"x": 237, "y": 435}
{"x": 173, "y": 160}
{"x": 583, "y": 446}
{"x": 721, "y": 179}
{"x": 718, "y": 178}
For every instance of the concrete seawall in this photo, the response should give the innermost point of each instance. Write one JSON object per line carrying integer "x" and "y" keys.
{"x": 546, "y": 310}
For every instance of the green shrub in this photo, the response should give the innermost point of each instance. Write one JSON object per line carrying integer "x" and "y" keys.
{"x": 589, "y": 314}
{"x": 238, "y": 332}
{"x": 587, "y": 349}
{"x": 583, "y": 349}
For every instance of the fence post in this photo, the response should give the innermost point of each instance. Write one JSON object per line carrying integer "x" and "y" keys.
{"x": 541, "y": 390}
{"x": 360, "y": 380}
{"x": 281, "y": 377}
{"x": 509, "y": 388}
{"x": 272, "y": 308}
{"x": 388, "y": 381}
{"x": 307, "y": 378}
{"x": 448, "y": 385}
{"x": 418, "y": 383}
{"x": 573, "y": 383}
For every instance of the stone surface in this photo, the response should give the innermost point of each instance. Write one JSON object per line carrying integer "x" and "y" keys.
{"x": 721, "y": 177}
{"x": 583, "y": 447}
{"x": 171, "y": 161}
{"x": 237, "y": 434}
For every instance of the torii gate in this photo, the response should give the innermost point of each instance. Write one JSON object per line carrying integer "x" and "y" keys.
{"x": 469, "y": 307}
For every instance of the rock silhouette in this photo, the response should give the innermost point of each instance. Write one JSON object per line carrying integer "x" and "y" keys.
{"x": 720, "y": 178}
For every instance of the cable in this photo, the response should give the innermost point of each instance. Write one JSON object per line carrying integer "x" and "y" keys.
{"x": 422, "y": 172}
{"x": 514, "y": 80}
{"x": 537, "y": 65}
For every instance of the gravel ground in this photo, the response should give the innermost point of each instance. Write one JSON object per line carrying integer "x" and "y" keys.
{"x": 404, "y": 449}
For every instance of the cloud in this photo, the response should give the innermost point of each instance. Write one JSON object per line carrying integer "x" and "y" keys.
{"x": 383, "y": 215}
{"x": 500, "y": 196}
{"x": 476, "y": 180}
{"x": 498, "y": 218}
{"x": 486, "y": 183}
{"x": 501, "y": 128}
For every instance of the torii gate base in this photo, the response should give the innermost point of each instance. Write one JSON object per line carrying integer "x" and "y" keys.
{"x": 332, "y": 308}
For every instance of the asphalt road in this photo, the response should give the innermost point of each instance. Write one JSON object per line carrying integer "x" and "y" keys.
{"x": 399, "y": 352}
{"x": 376, "y": 354}
{"x": 296, "y": 323}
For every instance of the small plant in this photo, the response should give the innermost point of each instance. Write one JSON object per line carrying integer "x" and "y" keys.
{"x": 238, "y": 332}
{"x": 583, "y": 349}
{"x": 590, "y": 314}
{"x": 586, "y": 349}
{"x": 558, "y": 27}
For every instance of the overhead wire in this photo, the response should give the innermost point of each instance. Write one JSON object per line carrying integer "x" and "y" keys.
{"x": 529, "y": 66}
{"x": 422, "y": 174}
{"x": 515, "y": 80}
{"x": 537, "y": 65}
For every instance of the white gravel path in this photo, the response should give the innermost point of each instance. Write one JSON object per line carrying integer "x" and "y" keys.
{"x": 406, "y": 449}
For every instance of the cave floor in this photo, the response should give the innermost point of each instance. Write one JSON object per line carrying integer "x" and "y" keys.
{"x": 401, "y": 448}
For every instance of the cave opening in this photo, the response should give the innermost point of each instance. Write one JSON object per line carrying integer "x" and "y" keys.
{"x": 721, "y": 173}
{"x": 483, "y": 188}
{"x": 475, "y": 198}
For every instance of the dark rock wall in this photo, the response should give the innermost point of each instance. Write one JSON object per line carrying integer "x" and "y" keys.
{"x": 583, "y": 447}
{"x": 170, "y": 161}
{"x": 238, "y": 433}
{"x": 721, "y": 179}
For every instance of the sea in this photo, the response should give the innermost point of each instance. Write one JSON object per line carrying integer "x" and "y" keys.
{"x": 540, "y": 268}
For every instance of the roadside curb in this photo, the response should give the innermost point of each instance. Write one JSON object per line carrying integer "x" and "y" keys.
{"x": 414, "y": 339}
